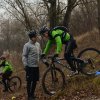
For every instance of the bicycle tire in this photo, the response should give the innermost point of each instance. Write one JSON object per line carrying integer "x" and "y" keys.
{"x": 44, "y": 78}
{"x": 85, "y": 52}
{"x": 12, "y": 84}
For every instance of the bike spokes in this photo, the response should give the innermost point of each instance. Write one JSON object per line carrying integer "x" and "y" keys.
{"x": 53, "y": 81}
{"x": 14, "y": 83}
{"x": 92, "y": 59}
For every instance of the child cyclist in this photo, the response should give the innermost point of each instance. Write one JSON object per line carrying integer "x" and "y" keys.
{"x": 6, "y": 71}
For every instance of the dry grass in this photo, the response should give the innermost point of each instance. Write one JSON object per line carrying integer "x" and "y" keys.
{"x": 79, "y": 87}
{"x": 89, "y": 39}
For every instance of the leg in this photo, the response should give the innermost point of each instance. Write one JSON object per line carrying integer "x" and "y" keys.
{"x": 4, "y": 80}
{"x": 35, "y": 78}
{"x": 28, "y": 79}
{"x": 5, "y": 77}
{"x": 69, "y": 54}
{"x": 33, "y": 87}
{"x": 28, "y": 88}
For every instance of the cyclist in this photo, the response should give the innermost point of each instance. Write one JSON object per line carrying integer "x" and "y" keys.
{"x": 60, "y": 35}
{"x": 30, "y": 58}
{"x": 6, "y": 71}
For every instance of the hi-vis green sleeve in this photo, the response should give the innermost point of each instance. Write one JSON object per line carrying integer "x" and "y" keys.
{"x": 48, "y": 46}
{"x": 8, "y": 67}
{"x": 59, "y": 44}
{"x": 57, "y": 40}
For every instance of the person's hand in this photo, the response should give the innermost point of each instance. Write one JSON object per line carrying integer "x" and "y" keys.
{"x": 25, "y": 68}
{"x": 42, "y": 56}
{"x": 55, "y": 55}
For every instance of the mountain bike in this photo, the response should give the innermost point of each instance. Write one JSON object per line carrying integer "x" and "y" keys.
{"x": 13, "y": 83}
{"x": 87, "y": 62}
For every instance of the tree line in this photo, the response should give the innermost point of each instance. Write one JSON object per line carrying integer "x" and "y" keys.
{"x": 21, "y": 16}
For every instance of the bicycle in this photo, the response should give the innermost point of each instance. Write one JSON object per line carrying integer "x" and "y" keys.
{"x": 13, "y": 83}
{"x": 53, "y": 78}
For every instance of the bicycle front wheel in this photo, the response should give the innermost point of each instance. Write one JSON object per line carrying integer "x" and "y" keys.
{"x": 14, "y": 83}
{"x": 92, "y": 58}
{"x": 53, "y": 80}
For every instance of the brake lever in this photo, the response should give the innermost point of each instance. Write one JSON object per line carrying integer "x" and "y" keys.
{"x": 45, "y": 62}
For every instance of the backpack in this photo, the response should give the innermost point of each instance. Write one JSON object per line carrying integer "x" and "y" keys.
{"x": 58, "y": 27}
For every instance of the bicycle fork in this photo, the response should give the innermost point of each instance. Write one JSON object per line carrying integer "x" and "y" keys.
{"x": 53, "y": 75}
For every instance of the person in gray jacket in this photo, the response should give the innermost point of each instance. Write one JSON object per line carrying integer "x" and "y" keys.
{"x": 30, "y": 59}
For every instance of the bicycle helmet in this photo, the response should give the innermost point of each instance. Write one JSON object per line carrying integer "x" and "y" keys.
{"x": 3, "y": 57}
{"x": 32, "y": 34}
{"x": 43, "y": 30}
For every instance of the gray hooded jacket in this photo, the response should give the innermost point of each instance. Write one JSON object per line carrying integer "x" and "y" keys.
{"x": 31, "y": 54}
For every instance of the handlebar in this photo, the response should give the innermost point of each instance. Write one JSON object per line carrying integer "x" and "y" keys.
{"x": 53, "y": 59}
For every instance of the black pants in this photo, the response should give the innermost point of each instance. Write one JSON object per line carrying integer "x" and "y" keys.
{"x": 32, "y": 76}
{"x": 69, "y": 47}
{"x": 5, "y": 77}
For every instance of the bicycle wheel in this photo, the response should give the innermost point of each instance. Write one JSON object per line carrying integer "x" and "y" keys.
{"x": 92, "y": 58}
{"x": 53, "y": 80}
{"x": 14, "y": 83}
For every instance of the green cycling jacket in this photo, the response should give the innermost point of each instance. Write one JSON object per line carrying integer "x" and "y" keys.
{"x": 56, "y": 38}
{"x": 6, "y": 66}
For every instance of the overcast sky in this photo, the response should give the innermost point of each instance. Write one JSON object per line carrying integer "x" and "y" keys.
{"x": 2, "y": 10}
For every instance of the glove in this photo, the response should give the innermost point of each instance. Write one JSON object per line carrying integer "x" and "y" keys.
{"x": 25, "y": 68}
{"x": 42, "y": 56}
{"x": 47, "y": 64}
{"x": 55, "y": 55}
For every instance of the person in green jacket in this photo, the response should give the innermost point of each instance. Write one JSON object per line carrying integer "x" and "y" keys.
{"x": 60, "y": 36}
{"x": 6, "y": 71}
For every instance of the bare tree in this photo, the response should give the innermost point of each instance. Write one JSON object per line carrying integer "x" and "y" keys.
{"x": 70, "y": 6}
{"x": 84, "y": 17}
{"x": 52, "y": 12}
{"x": 19, "y": 6}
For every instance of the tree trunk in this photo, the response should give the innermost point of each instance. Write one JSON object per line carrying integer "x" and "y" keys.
{"x": 67, "y": 16}
{"x": 53, "y": 13}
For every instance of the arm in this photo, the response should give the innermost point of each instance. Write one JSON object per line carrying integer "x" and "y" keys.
{"x": 2, "y": 64}
{"x": 59, "y": 44}
{"x": 25, "y": 55}
{"x": 58, "y": 41}
{"x": 39, "y": 51}
{"x": 48, "y": 46}
{"x": 6, "y": 66}
{"x": 5, "y": 69}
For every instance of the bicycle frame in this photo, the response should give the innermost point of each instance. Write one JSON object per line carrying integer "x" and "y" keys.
{"x": 53, "y": 61}
{"x": 58, "y": 62}
{"x": 76, "y": 61}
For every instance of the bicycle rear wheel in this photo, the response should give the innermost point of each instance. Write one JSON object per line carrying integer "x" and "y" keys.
{"x": 53, "y": 80}
{"x": 14, "y": 83}
{"x": 91, "y": 56}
